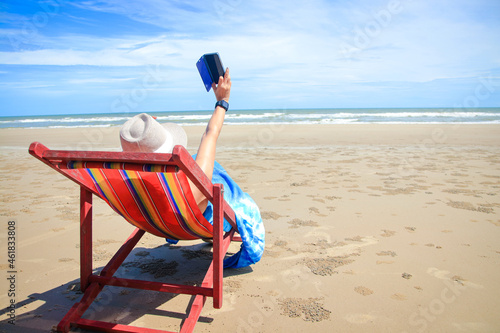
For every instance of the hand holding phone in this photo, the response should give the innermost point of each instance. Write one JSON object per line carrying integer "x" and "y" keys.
{"x": 210, "y": 69}
{"x": 222, "y": 89}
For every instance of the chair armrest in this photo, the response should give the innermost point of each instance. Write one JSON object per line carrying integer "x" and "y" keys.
{"x": 194, "y": 173}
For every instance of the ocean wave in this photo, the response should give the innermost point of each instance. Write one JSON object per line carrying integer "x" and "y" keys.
{"x": 65, "y": 120}
{"x": 77, "y": 126}
{"x": 253, "y": 116}
{"x": 183, "y": 117}
{"x": 270, "y": 117}
{"x": 393, "y": 115}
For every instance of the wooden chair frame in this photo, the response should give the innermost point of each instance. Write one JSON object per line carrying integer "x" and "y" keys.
{"x": 92, "y": 284}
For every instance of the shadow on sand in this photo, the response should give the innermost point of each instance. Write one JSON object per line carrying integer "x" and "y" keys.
{"x": 165, "y": 263}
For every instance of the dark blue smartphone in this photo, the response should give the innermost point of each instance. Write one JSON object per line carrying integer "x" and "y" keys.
{"x": 210, "y": 68}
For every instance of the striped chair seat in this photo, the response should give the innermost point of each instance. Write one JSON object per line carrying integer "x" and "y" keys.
{"x": 154, "y": 198}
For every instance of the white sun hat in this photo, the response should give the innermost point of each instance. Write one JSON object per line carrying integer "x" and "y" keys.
{"x": 142, "y": 133}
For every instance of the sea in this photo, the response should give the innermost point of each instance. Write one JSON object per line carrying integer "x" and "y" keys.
{"x": 274, "y": 116}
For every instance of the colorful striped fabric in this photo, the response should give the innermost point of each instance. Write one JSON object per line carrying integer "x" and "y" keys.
{"x": 154, "y": 198}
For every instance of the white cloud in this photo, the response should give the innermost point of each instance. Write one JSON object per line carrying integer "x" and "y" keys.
{"x": 66, "y": 58}
{"x": 174, "y": 15}
{"x": 100, "y": 80}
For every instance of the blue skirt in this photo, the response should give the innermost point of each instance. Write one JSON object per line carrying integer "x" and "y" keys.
{"x": 248, "y": 220}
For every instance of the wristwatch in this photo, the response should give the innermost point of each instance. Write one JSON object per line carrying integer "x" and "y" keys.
{"x": 223, "y": 104}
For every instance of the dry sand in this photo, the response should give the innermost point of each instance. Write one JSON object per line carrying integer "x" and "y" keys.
{"x": 369, "y": 228}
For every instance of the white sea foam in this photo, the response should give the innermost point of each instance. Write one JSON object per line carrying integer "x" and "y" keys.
{"x": 254, "y": 116}
{"x": 182, "y": 117}
{"x": 65, "y": 120}
{"x": 269, "y": 117}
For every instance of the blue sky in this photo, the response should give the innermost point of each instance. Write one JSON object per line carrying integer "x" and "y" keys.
{"x": 67, "y": 57}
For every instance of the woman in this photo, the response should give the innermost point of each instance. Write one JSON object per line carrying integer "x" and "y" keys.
{"x": 143, "y": 133}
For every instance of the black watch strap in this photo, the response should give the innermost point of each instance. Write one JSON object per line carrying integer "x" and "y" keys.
{"x": 223, "y": 104}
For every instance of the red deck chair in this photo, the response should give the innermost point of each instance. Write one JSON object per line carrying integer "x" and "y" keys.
{"x": 151, "y": 191}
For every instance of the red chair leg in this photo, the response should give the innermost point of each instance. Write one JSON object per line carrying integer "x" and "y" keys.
{"x": 218, "y": 246}
{"x": 85, "y": 237}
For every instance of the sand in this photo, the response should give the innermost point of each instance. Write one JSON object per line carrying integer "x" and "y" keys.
{"x": 369, "y": 228}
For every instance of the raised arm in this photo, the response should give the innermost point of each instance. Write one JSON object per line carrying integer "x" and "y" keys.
{"x": 205, "y": 157}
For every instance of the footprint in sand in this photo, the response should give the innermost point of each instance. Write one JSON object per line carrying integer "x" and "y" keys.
{"x": 354, "y": 239}
{"x": 470, "y": 206}
{"x": 387, "y": 233}
{"x": 66, "y": 259}
{"x": 495, "y": 223}
{"x": 387, "y": 253}
{"x": 309, "y": 309}
{"x": 326, "y": 266}
{"x": 399, "y": 297}
{"x": 266, "y": 215}
{"x": 363, "y": 290}
{"x": 315, "y": 211}
{"x": 281, "y": 243}
{"x": 301, "y": 223}
{"x": 273, "y": 254}
{"x": 232, "y": 285}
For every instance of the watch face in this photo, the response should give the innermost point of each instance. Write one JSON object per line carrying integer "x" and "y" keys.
{"x": 222, "y": 104}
